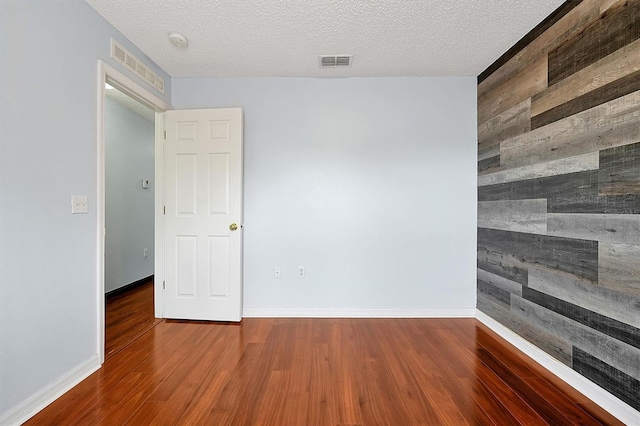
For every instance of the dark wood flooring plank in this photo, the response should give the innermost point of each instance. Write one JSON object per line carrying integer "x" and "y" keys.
{"x": 546, "y": 408}
{"x": 609, "y": 92}
{"x": 565, "y": 405}
{"x": 350, "y": 372}
{"x": 128, "y": 315}
{"x": 616, "y": 28}
{"x": 615, "y": 381}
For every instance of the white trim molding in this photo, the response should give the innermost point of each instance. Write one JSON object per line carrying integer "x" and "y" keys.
{"x": 618, "y": 408}
{"x": 358, "y": 313}
{"x": 47, "y": 395}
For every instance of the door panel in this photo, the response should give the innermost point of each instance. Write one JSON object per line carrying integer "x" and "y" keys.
{"x": 203, "y": 197}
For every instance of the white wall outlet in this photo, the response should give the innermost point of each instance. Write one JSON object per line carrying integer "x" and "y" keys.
{"x": 300, "y": 271}
{"x": 79, "y": 204}
{"x": 276, "y": 272}
{"x": 145, "y": 252}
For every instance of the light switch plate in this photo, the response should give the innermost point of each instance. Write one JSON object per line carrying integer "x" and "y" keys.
{"x": 79, "y": 204}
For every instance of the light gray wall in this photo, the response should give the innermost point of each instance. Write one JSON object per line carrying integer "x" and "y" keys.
{"x": 129, "y": 146}
{"x": 367, "y": 182}
{"x": 48, "y": 101}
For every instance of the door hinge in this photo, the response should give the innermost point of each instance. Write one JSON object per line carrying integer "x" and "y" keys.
{"x": 164, "y": 209}
{"x": 164, "y": 286}
{"x": 165, "y": 135}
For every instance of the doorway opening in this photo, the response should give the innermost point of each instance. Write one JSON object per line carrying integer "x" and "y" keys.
{"x": 129, "y": 135}
{"x": 129, "y": 203}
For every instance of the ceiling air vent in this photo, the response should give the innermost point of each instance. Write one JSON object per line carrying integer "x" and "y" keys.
{"x": 123, "y": 56}
{"x": 328, "y": 61}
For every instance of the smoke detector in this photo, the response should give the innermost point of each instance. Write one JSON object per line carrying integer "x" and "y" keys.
{"x": 178, "y": 40}
{"x": 332, "y": 61}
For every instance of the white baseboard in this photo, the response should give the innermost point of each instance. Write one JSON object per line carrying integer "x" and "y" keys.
{"x": 618, "y": 408}
{"x": 359, "y": 313}
{"x": 47, "y": 395}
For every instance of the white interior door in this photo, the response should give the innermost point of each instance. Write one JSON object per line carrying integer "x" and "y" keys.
{"x": 203, "y": 214}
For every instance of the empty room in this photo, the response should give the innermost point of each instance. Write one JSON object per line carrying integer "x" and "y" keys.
{"x": 320, "y": 212}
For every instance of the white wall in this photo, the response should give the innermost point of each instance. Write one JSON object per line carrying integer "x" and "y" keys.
{"x": 370, "y": 183}
{"x": 48, "y": 101}
{"x": 129, "y": 146}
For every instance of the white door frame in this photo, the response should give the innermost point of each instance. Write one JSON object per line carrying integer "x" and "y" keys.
{"x": 136, "y": 91}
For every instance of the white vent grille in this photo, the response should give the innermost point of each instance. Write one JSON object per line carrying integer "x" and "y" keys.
{"x": 332, "y": 61}
{"x": 122, "y": 55}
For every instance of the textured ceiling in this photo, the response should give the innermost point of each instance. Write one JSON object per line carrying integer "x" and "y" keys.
{"x": 130, "y": 104}
{"x": 283, "y": 38}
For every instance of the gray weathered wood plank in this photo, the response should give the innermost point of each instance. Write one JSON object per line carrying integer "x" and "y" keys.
{"x": 551, "y": 344}
{"x": 518, "y": 88}
{"x": 488, "y": 152}
{"x": 601, "y": 95}
{"x": 619, "y": 306}
{"x": 514, "y": 215}
{"x": 620, "y": 170}
{"x": 578, "y": 257}
{"x": 615, "y": 381}
{"x": 614, "y": 30}
{"x": 611, "y": 124}
{"x": 613, "y": 228}
{"x": 512, "y": 122}
{"x": 619, "y": 267}
{"x": 569, "y": 187}
{"x": 577, "y": 163}
{"x": 500, "y": 282}
{"x": 602, "y": 323}
{"x": 488, "y": 165}
{"x": 497, "y": 295}
{"x": 620, "y": 355}
{"x": 506, "y": 266}
{"x": 607, "y": 70}
{"x": 583, "y": 202}
{"x": 572, "y": 23}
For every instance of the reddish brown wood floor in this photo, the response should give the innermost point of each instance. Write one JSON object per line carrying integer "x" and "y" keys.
{"x": 128, "y": 316}
{"x": 321, "y": 372}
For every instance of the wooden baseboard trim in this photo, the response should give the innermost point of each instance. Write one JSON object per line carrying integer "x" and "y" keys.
{"x": 618, "y": 408}
{"x": 128, "y": 287}
{"x": 47, "y": 395}
{"x": 359, "y": 313}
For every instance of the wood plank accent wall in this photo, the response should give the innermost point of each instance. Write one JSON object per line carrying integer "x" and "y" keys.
{"x": 559, "y": 191}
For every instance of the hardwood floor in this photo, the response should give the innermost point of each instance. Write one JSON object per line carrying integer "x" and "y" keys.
{"x": 128, "y": 316}
{"x": 321, "y": 372}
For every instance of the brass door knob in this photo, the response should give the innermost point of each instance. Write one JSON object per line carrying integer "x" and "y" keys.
{"x": 233, "y": 227}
